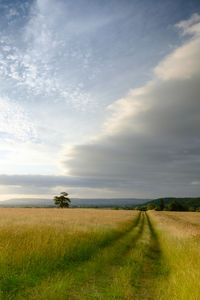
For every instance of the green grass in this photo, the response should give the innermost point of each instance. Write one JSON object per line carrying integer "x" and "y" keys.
{"x": 30, "y": 255}
{"x": 127, "y": 266}
{"x": 181, "y": 257}
{"x": 137, "y": 259}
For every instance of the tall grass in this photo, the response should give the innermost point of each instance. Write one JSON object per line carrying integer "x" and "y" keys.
{"x": 35, "y": 243}
{"x": 179, "y": 237}
{"x": 52, "y": 254}
{"x": 127, "y": 268}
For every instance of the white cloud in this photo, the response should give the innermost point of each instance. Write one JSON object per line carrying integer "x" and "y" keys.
{"x": 183, "y": 63}
{"x": 43, "y": 58}
{"x": 190, "y": 26}
{"x": 21, "y": 144}
{"x": 14, "y": 122}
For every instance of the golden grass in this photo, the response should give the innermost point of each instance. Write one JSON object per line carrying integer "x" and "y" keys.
{"x": 35, "y": 243}
{"x": 87, "y": 254}
{"x": 66, "y": 219}
{"x": 178, "y": 223}
{"x": 126, "y": 269}
{"x": 179, "y": 237}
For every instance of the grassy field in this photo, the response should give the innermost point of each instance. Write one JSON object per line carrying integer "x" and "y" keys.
{"x": 99, "y": 254}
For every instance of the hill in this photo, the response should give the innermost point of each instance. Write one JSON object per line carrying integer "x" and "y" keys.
{"x": 195, "y": 202}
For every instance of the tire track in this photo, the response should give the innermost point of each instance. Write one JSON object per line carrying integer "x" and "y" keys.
{"x": 139, "y": 274}
{"x": 152, "y": 268}
{"x": 127, "y": 268}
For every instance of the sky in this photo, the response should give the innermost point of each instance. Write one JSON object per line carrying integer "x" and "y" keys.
{"x": 99, "y": 98}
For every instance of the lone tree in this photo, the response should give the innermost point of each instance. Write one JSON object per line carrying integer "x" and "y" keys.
{"x": 62, "y": 200}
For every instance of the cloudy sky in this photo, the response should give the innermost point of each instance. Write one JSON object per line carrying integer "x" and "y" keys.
{"x": 99, "y": 98}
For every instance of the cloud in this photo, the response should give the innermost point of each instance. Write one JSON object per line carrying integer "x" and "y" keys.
{"x": 149, "y": 145}
{"x": 190, "y": 26}
{"x": 151, "y": 139}
{"x": 42, "y": 58}
{"x": 48, "y": 185}
{"x": 50, "y": 181}
{"x": 58, "y": 51}
{"x": 27, "y": 157}
{"x": 15, "y": 123}
{"x": 196, "y": 182}
{"x": 184, "y": 62}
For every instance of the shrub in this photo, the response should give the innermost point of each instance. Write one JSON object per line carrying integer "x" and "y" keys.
{"x": 175, "y": 206}
{"x": 151, "y": 206}
{"x": 191, "y": 208}
{"x": 157, "y": 208}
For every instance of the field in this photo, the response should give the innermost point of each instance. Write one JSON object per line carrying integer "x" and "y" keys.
{"x": 99, "y": 254}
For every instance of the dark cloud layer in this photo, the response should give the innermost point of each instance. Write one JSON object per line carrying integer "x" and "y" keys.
{"x": 51, "y": 181}
{"x": 152, "y": 137}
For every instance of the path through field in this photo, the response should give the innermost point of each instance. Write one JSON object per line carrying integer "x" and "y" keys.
{"x": 126, "y": 268}
{"x": 124, "y": 255}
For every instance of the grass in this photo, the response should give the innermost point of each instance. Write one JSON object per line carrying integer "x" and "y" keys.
{"x": 98, "y": 254}
{"x": 179, "y": 236}
{"x": 35, "y": 243}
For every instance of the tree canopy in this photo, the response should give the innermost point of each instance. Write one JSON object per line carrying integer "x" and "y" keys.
{"x": 62, "y": 200}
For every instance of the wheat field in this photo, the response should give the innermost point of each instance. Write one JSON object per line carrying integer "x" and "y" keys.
{"x": 99, "y": 254}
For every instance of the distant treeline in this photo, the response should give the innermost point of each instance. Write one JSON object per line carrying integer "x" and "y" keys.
{"x": 172, "y": 204}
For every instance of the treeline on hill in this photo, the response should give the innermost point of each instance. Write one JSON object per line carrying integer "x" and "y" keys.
{"x": 172, "y": 204}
